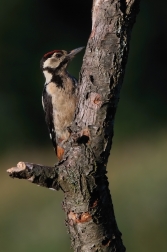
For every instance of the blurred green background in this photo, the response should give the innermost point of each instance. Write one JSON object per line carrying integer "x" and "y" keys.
{"x": 31, "y": 218}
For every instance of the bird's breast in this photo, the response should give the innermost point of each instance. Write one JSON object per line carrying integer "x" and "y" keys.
{"x": 64, "y": 104}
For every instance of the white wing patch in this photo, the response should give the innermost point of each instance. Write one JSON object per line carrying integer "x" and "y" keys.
{"x": 42, "y": 103}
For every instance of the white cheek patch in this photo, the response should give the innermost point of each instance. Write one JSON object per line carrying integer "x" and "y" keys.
{"x": 51, "y": 62}
{"x": 46, "y": 63}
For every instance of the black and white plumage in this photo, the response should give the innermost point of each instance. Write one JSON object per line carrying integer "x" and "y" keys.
{"x": 59, "y": 96}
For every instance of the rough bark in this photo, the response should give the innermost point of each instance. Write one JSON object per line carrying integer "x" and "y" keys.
{"x": 81, "y": 175}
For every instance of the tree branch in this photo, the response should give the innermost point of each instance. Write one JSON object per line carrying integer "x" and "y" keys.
{"x": 38, "y": 174}
{"x": 81, "y": 175}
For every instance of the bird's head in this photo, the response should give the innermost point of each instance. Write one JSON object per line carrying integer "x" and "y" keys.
{"x": 57, "y": 60}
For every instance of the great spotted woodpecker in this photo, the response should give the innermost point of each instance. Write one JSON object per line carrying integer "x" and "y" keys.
{"x": 59, "y": 96}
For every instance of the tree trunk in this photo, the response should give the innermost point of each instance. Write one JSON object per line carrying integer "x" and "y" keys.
{"x": 81, "y": 175}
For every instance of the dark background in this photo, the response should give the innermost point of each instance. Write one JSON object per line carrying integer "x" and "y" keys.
{"x": 30, "y": 218}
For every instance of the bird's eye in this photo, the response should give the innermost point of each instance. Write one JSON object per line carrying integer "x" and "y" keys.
{"x": 58, "y": 55}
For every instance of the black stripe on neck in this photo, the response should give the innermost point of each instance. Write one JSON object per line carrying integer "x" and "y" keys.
{"x": 58, "y": 80}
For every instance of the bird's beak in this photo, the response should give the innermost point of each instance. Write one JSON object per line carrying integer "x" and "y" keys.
{"x": 74, "y": 52}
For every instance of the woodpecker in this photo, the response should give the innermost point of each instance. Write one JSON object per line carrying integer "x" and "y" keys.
{"x": 59, "y": 96}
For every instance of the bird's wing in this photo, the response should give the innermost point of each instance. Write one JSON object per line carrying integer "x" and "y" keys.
{"x": 48, "y": 109}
